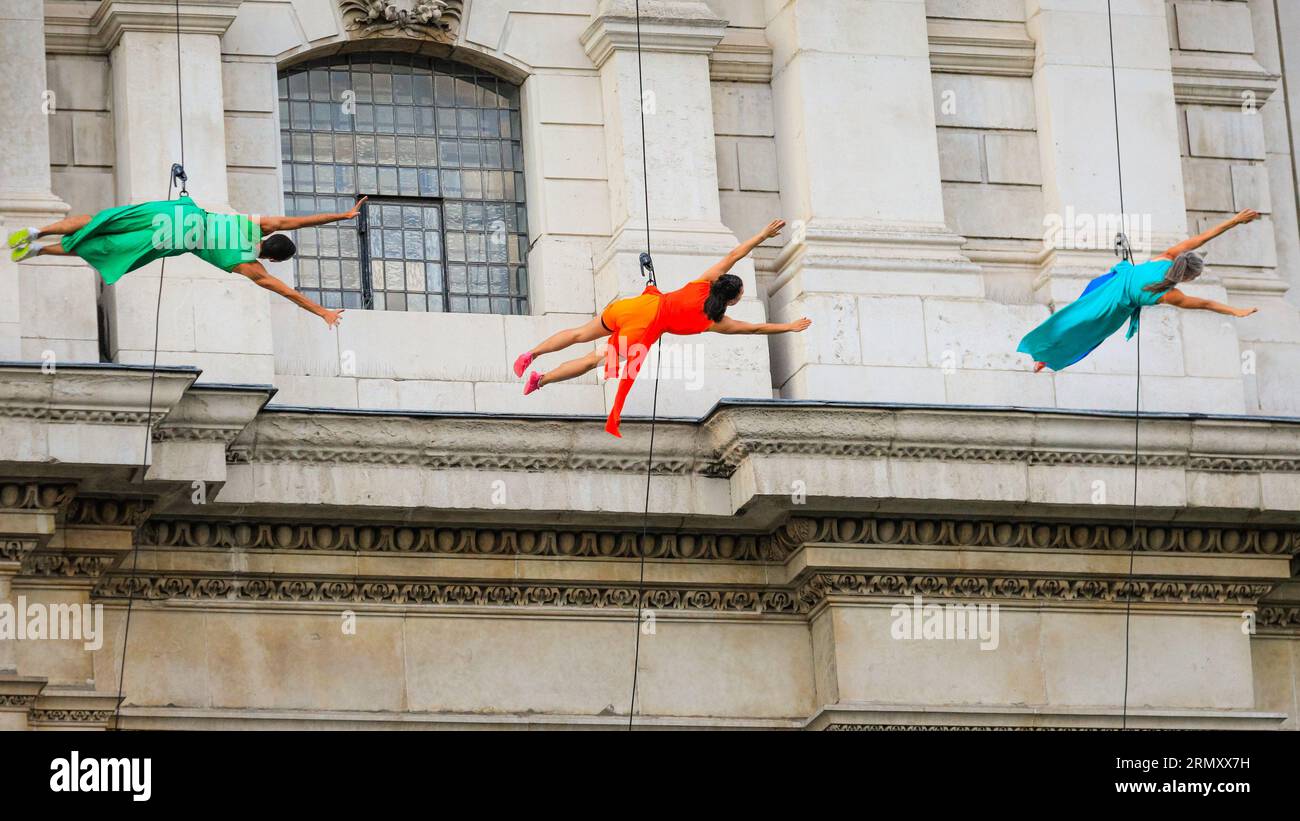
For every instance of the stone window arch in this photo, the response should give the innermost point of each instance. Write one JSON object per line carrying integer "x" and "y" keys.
{"x": 437, "y": 146}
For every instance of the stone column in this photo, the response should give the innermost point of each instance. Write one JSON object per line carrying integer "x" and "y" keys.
{"x": 688, "y": 235}
{"x": 209, "y": 318}
{"x": 25, "y": 195}
{"x": 859, "y": 161}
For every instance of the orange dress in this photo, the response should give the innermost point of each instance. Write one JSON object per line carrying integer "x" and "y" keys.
{"x": 637, "y": 323}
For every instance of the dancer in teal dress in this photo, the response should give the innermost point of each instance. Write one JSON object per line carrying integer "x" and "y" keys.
{"x": 1117, "y": 297}
{"x": 119, "y": 240}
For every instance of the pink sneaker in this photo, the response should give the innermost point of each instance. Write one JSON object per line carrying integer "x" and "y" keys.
{"x": 524, "y": 360}
{"x": 534, "y": 382}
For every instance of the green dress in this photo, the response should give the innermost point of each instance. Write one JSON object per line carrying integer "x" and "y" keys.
{"x": 118, "y": 240}
{"x": 1106, "y": 304}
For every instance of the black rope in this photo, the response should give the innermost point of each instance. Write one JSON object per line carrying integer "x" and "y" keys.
{"x": 648, "y": 264}
{"x": 177, "y": 175}
{"x": 1123, "y": 247}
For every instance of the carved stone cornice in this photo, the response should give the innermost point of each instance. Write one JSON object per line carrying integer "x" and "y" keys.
{"x": 448, "y": 593}
{"x": 174, "y": 534}
{"x": 801, "y": 599}
{"x": 68, "y": 565}
{"x": 1280, "y": 618}
{"x": 90, "y": 394}
{"x": 674, "y": 26}
{"x": 288, "y": 436}
{"x": 777, "y": 546}
{"x": 998, "y": 436}
{"x": 37, "y": 716}
{"x": 453, "y": 460}
{"x": 36, "y": 495}
{"x": 15, "y": 551}
{"x": 90, "y": 511}
{"x": 871, "y": 728}
{"x": 1011, "y": 534}
{"x": 820, "y": 587}
{"x": 59, "y": 708}
{"x": 736, "y": 432}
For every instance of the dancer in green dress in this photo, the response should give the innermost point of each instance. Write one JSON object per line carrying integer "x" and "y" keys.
{"x": 1117, "y": 297}
{"x": 119, "y": 240}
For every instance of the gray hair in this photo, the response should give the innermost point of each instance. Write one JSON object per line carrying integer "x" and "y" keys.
{"x": 1187, "y": 267}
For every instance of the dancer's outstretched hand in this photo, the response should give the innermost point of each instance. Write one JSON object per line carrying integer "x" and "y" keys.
{"x": 332, "y": 318}
{"x": 1248, "y": 215}
{"x": 1243, "y": 311}
{"x": 356, "y": 207}
{"x": 773, "y": 228}
{"x": 800, "y": 325}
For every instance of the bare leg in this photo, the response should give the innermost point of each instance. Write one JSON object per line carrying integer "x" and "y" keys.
{"x": 53, "y": 249}
{"x": 67, "y": 225}
{"x": 572, "y": 368}
{"x": 560, "y": 340}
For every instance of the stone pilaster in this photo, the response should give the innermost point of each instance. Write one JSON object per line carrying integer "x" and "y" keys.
{"x": 25, "y": 195}
{"x": 1189, "y": 358}
{"x": 1076, "y": 130}
{"x": 677, "y": 37}
{"x": 209, "y": 318}
{"x": 864, "y": 186}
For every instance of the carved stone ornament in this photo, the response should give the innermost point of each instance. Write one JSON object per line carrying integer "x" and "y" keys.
{"x": 433, "y": 19}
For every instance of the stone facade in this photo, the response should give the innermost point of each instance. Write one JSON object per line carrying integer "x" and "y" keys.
{"x": 370, "y": 527}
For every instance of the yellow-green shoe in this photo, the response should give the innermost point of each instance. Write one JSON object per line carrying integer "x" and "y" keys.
{"x": 21, "y": 237}
{"x": 22, "y": 253}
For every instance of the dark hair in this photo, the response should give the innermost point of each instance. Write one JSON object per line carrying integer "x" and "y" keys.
{"x": 1187, "y": 267}
{"x": 278, "y": 248}
{"x": 725, "y": 288}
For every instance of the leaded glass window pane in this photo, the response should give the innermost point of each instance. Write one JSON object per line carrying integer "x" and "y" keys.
{"x": 436, "y": 146}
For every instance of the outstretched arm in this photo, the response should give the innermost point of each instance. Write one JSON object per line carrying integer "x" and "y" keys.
{"x": 272, "y": 224}
{"x": 743, "y": 250}
{"x": 262, "y": 278}
{"x": 1196, "y": 242}
{"x": 1179, "y": 299}
{"x": 734, "y": 326}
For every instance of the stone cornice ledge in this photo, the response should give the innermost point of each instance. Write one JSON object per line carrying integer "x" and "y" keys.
{"x": 107, "y": 404}
{"x": 676, "y": 26}
{"x": 980, "y": 47}
{"x": 80, "y": 28}
{"x": 859, "y": 716}
{"x": 736, "y": 430}
{"x": 1236, "y": 80}
{"x": 917, "y": 458}
{"x": 1234, "y": 444}
{"x": 90, "y": 393}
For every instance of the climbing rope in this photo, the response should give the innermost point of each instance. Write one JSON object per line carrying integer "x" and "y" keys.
{"x": 177, "y": 176}
{"x": 647, "y": 266}
{"x": 1124, "y": 249}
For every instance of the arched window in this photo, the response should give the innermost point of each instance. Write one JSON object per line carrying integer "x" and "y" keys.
{"x": 436, "y": 146}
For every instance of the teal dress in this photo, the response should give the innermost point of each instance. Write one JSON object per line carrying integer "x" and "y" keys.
{"x": 1105, "y": 305}
{"x": 119, "y": 240}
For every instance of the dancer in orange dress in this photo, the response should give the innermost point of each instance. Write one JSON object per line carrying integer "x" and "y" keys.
{"x": 635, "y": 324}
